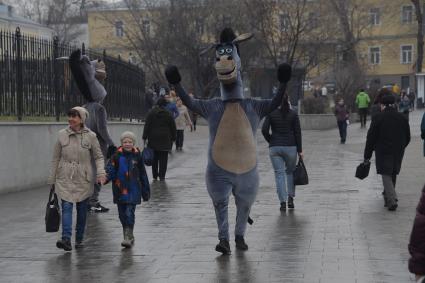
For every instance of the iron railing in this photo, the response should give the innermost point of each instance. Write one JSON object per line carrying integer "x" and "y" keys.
{"x": 34, "y": 84}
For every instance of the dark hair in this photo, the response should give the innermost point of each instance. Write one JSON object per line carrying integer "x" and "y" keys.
{"x": 382, "y": 92}
{"x": 284, "y": 105}
{"x": 362, "y": 90}
{"x": 73, "y": 113}
{"x": 388, "y": 99}
{"x": 161, "y": 102}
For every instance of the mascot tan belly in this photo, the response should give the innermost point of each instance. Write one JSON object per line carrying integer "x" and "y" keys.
{"x": 233, "y": 121}
{"x": 234, "y": 147}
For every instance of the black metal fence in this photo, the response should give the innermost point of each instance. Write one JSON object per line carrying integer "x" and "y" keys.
{"x": 34, "y": 84}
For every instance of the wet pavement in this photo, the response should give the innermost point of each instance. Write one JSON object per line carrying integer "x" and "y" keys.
{"x": 338, "y": 232}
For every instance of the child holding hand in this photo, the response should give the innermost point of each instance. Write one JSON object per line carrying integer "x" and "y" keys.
{"x": 129, "y": 183}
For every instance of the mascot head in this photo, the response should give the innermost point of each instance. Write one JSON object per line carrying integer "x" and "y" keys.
{"x": 228, "y": 63}
{"x": 88, "y": 76}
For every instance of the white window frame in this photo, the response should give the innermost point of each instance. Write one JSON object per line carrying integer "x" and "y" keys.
{"x": 370, "y": 55}
{"x": 411, "y": 17}
{"x": 401, "y": 54}
{"x": 375, "y": 16}
{"x": 284, "y": 21}
{"x": 313, "y": 20}
{"x": 146, "y": 26}
{"x": 119, "y": 30}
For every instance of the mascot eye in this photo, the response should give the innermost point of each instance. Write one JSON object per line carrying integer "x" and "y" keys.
{"x": 221, "y": 51}
{"x": 229, "y": 50}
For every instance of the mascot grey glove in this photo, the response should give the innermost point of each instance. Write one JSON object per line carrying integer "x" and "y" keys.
{"x": 172, "y": 74}
{"x": 284, "y": 72}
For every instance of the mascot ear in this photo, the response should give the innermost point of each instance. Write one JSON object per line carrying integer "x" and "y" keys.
{"x": 206, "y": 49}
{"x": 243, "y": 37}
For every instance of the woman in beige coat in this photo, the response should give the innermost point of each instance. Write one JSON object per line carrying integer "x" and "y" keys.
{"x": 71, "y": 173}
{"x": 182, "y": 121}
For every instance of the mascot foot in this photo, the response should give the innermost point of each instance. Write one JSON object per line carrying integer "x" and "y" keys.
{"x": 223, "y": 247}
{"x": 240, "y": 243}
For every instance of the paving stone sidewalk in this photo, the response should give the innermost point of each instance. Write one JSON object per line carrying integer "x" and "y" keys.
{"x": 338, "y": 232}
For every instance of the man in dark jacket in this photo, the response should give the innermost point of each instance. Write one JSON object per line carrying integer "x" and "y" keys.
{"x": 417, "y": 243}
{"x": 160, "y": 131}
{"x": 388, "y": 136}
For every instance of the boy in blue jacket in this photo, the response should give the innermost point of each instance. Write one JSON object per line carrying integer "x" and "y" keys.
{"x": 129, "y": 183}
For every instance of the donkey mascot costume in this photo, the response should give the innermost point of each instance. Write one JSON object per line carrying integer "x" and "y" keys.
{"x": 88, "y": 76}
{"x": 233, "y": 122}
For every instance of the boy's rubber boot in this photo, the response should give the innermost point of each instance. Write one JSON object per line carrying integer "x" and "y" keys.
{"x": 126, "y": 243}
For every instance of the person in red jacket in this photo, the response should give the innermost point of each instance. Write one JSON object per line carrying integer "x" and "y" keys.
{"x": 417, "y": 242}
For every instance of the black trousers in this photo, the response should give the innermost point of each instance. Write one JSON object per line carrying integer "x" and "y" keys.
{"x": 363, "y": 116}
{"x": 179, "y": 138}
{"x": 342, "y": 126}
{"x": 159, "y": 166}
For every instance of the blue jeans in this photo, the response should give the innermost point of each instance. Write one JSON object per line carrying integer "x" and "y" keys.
{"x": 284, "y": 160}
{"x": 126, "y": 214}
{"x": 67, "y": 219}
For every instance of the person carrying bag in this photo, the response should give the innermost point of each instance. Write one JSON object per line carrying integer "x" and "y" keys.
{"x": 284, "y": 146}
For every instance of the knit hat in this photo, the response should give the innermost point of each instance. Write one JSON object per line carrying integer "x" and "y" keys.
{"x": 82, "y": 112}
{"x": 388, "y": 99}
{"x": 129, "y": 135}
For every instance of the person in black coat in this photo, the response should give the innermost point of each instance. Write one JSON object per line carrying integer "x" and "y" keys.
{"x": 284, "y": 145}
{"x": 160, "y": 131}
{"x": 417, "y": 244}
{"x": 388, "y": 136}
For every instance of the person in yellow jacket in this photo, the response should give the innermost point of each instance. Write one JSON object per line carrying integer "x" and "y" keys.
{"x": 362, "y": 102}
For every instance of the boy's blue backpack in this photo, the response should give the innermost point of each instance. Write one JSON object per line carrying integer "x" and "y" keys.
{"x": 147, "y": 155}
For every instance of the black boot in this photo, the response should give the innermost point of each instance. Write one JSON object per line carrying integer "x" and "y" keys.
{"x": 223, "y": 247}
{"x": 64, "y": 244}
{"x": 240, "y": 243}
{"x": 283, "y": 206}
{"x": 291, "y": 203}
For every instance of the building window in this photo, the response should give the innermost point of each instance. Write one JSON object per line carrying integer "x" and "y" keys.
{"x": 406, "y": 54}
{"x": 313, "y": 20}
{"x": 119, "y": 29}
{"x": 375, "y": 55}
{"x": 407, "y": 14}
{"x": 375, "y": 18}
{"x": 284, "y": 22}
{"x": 199, "y": 26}
{"x": 146, "y": 25}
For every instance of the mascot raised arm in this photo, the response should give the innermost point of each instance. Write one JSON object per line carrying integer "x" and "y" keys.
{"x": 233, "y": 121}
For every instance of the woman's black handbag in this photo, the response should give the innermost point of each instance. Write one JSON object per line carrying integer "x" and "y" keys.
{"x": 53, "y": 216}
{"x": 300, "y": 174}
{"x": 362, "y": 170}
{"x": 147, "y": 155}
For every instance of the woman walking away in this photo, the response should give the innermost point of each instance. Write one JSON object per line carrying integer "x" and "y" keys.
{"x": 182, "y": 121}
{"x": 416, "y": 245}
{"x": 160, "y": 131}
{"x": 342, "y": 115}
{"x": 129, "y": 183}
{"x": 284, "y": 144}
{"x": 71, "y": 173}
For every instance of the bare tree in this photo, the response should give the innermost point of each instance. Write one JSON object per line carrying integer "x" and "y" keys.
{"x": 352, "y": 17}
{"x": 63, "y": 16}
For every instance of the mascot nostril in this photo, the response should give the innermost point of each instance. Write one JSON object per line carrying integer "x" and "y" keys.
{"x": 233, "y": 122}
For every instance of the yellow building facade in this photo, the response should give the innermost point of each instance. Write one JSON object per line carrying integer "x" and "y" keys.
{"x": 386, "y": 43}
{"x": 389, "y": 46}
